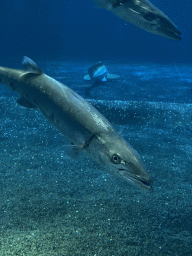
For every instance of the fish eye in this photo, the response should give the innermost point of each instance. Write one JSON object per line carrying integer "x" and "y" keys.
{"x": 116, "y": 159}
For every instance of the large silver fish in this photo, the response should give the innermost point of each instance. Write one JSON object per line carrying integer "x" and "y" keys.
{"x": 143, "y": 14}
{"x": 77, "y": 120}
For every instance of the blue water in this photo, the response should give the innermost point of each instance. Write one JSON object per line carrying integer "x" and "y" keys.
{"x": 78, "y": 29}
{"x": 52, "y": 204}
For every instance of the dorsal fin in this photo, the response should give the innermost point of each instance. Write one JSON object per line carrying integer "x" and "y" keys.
{"x": 30, "y": 66}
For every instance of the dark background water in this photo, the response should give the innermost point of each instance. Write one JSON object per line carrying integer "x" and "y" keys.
{"x": 78, "y": 29}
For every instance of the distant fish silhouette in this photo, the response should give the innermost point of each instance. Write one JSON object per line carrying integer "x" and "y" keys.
{"x": 98, "y": 72}
{"x": 143, "y": 14}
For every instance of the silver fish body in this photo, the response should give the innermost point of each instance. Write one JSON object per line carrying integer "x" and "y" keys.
{"x": 143, "y": 14}
{"x": 77, "y": 120}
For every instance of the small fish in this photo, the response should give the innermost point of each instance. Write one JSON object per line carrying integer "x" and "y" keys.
{"x": 84, "y": 126}
{"x": 98, "y": 72}
{"x": 143, "y": 14}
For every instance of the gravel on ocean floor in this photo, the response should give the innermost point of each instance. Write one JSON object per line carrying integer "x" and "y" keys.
{"x": 52, "y": 204}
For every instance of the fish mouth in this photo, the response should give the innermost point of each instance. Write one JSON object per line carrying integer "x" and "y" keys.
{"x": 163, "y": 25}
{"x": 141, "y": 182}
{"x": 169, "y": 29}
{"x": 175, "y": 35}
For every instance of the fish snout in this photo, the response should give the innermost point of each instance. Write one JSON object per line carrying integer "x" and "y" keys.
{"x": 162, "y": 25}
{"x": 137, "y": 176}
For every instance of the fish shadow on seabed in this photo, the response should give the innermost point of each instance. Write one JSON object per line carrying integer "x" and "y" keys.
{"x": 95, "y": 84}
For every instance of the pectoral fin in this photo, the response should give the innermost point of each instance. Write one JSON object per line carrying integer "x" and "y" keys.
{"x": 78, "y": 151}
{"x": 104, "y": 79}
{"x": 73, "y": 151}
{"x": 87, "y": 78}
{"x": 25, "y": 103}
